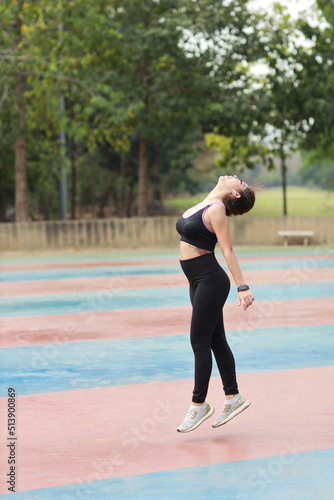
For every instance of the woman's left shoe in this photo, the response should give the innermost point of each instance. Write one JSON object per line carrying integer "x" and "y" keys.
{"x": 195, "y": 417}
{"x": 231, "y": 410}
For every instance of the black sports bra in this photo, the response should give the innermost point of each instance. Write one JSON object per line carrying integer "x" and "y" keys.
{"x": 194, "y": 231}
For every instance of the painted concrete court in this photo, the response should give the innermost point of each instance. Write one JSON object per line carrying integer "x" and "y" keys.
{"x": 97, "y": 349}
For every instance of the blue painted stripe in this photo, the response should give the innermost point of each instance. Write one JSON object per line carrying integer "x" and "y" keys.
{"x": 82, "y": 365}
{"x": 293, "y": 475}
{"x": 306, "y": 264}
{"x": 110, "y": 300}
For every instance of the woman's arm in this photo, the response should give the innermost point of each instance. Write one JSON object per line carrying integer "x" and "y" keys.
{"x": 219, "y": 224}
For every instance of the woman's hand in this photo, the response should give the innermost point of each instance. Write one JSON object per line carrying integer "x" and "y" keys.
{"x": 245, "y": 299}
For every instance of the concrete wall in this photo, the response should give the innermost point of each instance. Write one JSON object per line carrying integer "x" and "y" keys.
{"x": 150, "y": 232}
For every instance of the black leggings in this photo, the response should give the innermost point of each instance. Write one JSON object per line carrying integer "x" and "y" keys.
{"x": 209, "y": 288}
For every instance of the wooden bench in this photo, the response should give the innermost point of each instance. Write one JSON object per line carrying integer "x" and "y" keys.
{"x": 296, "y": 234}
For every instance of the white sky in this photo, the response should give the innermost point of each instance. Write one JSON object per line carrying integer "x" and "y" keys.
{"x": 294, "y": 6}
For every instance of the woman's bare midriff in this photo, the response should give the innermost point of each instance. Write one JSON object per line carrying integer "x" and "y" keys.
{"x": 188, "y": 251}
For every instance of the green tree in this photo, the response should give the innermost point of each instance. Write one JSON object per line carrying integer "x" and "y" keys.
{"x": 243, "y": 122}
{"x": 22, "y": 25}
{"x": 282, "y": 97}
{"x": 40, "y": 63}
{"x": 11, "y": 44}
{"x": 82, "y": 70}
{"x": 317, "y": 80}
{"x": 142, "y": 81}
{"x": 176, "y": 58}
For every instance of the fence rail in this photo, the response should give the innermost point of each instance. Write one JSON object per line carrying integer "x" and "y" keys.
{"x": 150, "y": 232}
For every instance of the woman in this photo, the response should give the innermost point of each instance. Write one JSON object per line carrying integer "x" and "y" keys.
{"x": 200, "y": 227}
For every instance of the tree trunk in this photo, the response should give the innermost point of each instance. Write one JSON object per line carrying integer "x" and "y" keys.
{"x": 84, "y": 202}
{"x": 73, "y": 180}
{"x": 142, "y": 185}
{"x": 3, "y": 205}
{"x": 21, "y": 178}
{"x": 162, "y": 189}
{"x": 129, "y": 205}
{"x": 142, "y": 181}
{"x": 105, "y": 197}
{"x": 122, "y": 191}
{"x": 62, "y": 173}
{"x": 283, "y": 172}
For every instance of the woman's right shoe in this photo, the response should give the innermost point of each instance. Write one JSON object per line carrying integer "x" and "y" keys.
{"x": 231, "y": 410}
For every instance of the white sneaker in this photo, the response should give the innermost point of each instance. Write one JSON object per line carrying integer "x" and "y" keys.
{"x": 194, "y": 417}
{"x": 231, "y": 410}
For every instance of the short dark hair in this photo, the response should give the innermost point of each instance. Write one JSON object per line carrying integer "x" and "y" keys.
{"x": 239, "y": 206}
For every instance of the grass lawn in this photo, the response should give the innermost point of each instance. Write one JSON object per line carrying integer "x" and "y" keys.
{"x": 300, "y": 201}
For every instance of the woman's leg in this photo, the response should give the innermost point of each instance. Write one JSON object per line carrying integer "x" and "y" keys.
{"x": 208, "y": 298}
{"x": 224, "y": 358}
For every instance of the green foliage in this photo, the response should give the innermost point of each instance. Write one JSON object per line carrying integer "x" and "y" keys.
{"x": 172, "y": 71}
{"x": 316, "y": 75}
{"x": 237, "y": 152}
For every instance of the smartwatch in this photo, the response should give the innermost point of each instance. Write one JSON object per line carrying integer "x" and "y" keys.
{"x": 243, "y": 288}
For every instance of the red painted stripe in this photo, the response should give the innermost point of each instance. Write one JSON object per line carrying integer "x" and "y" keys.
{"x": 14, "y": 289}
{"x": 29, "y": 330}
{"x": 92, "y": 434}
{"x": 75, "y": 265}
